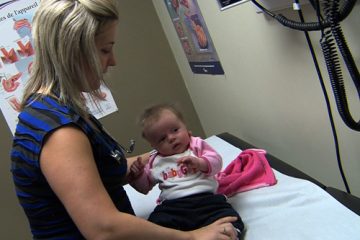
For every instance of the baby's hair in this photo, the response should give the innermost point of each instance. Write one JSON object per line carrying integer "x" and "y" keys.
{"x": 153, "y": 113}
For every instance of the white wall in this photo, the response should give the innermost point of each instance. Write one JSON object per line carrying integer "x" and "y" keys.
{"x": 270, "y": 94}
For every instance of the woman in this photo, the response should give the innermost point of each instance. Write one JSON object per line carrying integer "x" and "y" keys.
{"x": 68, "y": 172}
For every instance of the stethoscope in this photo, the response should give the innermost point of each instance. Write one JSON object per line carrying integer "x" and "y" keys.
{"x": 115, "y": 153}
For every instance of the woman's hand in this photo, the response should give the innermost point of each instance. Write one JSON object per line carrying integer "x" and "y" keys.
{"x": 221, "y": 229}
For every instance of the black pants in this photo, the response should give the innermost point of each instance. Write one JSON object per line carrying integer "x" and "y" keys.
{"x": 195, "y": 211}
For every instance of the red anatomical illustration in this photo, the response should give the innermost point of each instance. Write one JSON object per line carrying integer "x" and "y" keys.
{"x": 11, "y": 83}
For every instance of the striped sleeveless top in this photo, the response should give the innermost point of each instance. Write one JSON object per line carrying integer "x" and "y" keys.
{"x": 47, "y": 216}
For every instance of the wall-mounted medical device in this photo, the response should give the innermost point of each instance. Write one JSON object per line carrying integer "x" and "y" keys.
{"x": 277, "y": 5}
{"x": 329, "y": 14}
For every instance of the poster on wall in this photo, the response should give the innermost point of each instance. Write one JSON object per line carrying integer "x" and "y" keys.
{"x": 225, "y": 4}
{"x": 194, "y": 36}
{"x": 16, "y": 57}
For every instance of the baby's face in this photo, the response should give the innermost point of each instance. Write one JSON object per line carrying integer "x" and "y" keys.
{"x": 168, "y": 135}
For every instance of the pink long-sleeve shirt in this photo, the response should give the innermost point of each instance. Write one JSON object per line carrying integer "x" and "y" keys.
{"x": 177, "y": 181}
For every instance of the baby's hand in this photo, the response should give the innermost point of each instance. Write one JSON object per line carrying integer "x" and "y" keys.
{"x": 136, "y": 169}
{"x": 194, "y": 162}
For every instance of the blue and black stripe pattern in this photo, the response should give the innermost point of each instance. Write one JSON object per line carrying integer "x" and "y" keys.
{"x": 47, "y": 216}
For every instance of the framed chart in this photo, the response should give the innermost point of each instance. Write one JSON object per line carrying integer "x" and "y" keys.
{"x": 194, "y": 36}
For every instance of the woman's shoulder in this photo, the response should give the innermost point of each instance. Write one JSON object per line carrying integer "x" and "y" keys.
{"x": 45, "y": 113}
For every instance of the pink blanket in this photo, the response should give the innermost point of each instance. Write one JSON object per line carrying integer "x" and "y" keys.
{"x": 247, "y": 171}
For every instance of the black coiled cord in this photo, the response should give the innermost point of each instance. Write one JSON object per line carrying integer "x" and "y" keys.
{"x": 334, "y": 15}
{"x": 343, "y": 47}
{"x": 333, "y": 65}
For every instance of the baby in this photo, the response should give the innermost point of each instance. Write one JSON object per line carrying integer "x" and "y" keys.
{"x": 184, "y": 167}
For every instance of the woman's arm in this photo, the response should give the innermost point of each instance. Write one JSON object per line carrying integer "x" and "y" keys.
{"x": 71, "y": 172}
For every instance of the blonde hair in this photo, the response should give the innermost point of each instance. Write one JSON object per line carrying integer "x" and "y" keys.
{"x": 153, "y": 113}
{"x": 64, "y": 36}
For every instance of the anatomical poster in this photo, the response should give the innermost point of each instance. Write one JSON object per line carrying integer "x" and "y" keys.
{"x": 194, "y": 36}
{"x": 16, "y": 57}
